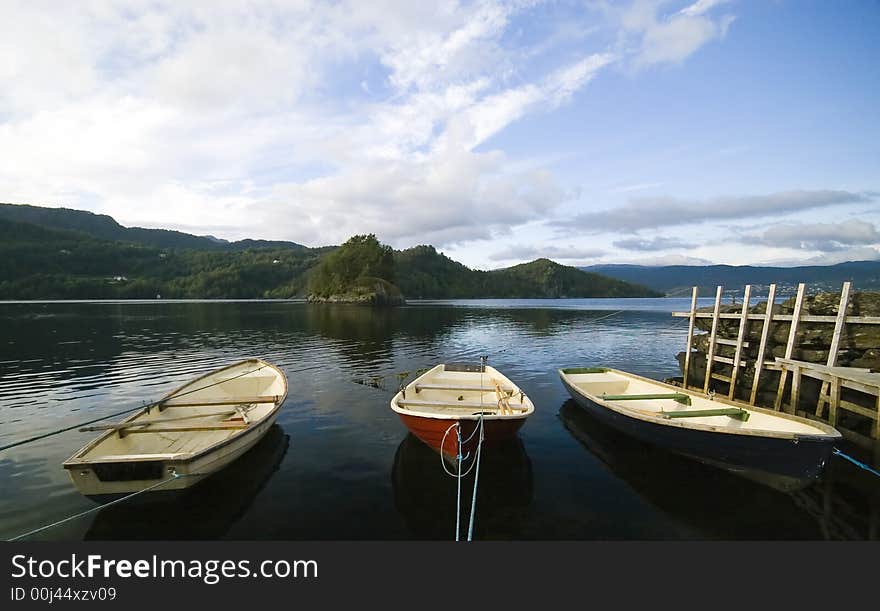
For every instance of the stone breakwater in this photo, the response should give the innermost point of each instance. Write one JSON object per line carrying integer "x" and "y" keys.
{"x": 859, "y": 345}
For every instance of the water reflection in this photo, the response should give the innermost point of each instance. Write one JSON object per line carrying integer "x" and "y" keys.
{"x": 719, "y": 505}
{"x": 205, "y": 511}
{"x": 91, "y": 359}
{"x": 426, "y": 496}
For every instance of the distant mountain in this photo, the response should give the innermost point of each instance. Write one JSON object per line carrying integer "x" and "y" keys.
{"x": 104, "y": 227}
{"x": 422, "y": 272}
{"x": 678, "y": 279}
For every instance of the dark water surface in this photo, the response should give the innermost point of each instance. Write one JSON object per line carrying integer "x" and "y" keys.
{"x": 339, "y": 464}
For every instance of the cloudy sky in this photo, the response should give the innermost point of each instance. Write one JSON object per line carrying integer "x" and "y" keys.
{"x": 655, "y": 131}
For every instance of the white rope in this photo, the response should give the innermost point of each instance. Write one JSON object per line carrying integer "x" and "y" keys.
{"x": 93, "y": 509}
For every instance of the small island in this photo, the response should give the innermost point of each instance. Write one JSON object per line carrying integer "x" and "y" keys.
{"x": 360, "y": 271}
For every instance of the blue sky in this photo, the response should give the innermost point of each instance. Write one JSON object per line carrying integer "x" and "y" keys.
{"x": 722, "y": 131}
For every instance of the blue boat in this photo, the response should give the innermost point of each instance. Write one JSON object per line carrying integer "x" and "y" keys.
{"x": 775, "y": 448}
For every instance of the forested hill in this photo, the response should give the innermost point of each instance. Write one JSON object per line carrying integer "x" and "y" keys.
{"x": 104, "y": 227}
{"x": 52, "y": 253}
{"x": 422, "y": 272}
{"x": 678, "y": 279}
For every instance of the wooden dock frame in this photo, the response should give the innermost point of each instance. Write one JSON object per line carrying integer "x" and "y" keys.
{"x": 833, "y": 378}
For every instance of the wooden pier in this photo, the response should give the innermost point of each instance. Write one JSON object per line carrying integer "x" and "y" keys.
{"x": 839, "y": 385}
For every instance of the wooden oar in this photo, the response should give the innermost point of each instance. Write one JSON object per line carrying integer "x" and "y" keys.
{"x": 125, "y": 425}
{"x": 502, "y": 400}
{"x": 220, "y": 426}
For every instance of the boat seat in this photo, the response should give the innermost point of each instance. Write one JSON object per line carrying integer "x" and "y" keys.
{"x": 675, "y": 396}
{"x": 486, "y": 405}
{"x": 135, "y": 457}
{"x": 733, "y": 412}
{"x": 421, "y": 387}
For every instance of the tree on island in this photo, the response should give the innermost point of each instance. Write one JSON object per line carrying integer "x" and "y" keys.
{"x": 361, "y": 270}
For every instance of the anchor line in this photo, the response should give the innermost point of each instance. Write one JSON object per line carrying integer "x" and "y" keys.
{"x": 99, "y": 507}
{"x": 146, "y": 407}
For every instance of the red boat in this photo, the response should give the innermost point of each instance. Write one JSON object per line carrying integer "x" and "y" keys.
{"x": 451, "y": 399}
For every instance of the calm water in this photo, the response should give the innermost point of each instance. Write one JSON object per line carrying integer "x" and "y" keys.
{"x": 340, "y": 465}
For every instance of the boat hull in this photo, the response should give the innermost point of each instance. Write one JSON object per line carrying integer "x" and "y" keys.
{"x": 432, "y": 430}
{"x": 191, "y": 471}
{"x": 783, "y": 463}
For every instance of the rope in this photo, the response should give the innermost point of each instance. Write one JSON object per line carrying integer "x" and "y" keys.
{"x": 93, "y": 509}
{"x": 856, "y": 462}
{"x": 606, "y": 316}
{"x": 476, "y": 483}
{"x": 123, "y": 412}
{"x": 69, "y": 428}
{"x": 458, "y": 496}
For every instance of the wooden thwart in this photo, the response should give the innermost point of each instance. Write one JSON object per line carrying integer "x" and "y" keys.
{"x": 220, "y": 426}
{"x": 675, "y": 396}
{"x": 229, "y": 401}
{"x": 421, "y": 387}
{"x": 126, "y": 425}
{"x": 733, "y": 412}
{"x": 457, "y": 404}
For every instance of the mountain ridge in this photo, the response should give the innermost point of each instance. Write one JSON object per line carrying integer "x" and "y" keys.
{"x": 70, "y": 254}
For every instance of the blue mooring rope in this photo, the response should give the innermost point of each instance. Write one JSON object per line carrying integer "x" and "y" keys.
{"x": 99, "y": 507}
{"x": 857, "y": 462}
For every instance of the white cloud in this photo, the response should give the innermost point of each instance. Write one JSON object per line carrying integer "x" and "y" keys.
{"x": 826, "y": 237}
{"x": 662, "y": 260}
{"x": 861, "y": 253}
{"x": 672, "y": 37}
{"x": 526, "y": 252}
{"x": 645, "y": 213}
{"x": 292, "y": 118}
{"x": 658, "y": 243}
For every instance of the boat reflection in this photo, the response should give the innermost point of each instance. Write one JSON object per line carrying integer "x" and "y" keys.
{"x": 717, "y": 504}
{"x": 426, "y": 496}
{"x": 206, "y": 511}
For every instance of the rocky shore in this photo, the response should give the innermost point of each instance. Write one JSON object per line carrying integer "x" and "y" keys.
{"x": 373, "y": 292}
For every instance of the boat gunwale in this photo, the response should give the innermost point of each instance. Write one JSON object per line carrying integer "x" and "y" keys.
{"x": 464, "y": 416}
{"x": 76, "y": 460}
{"x": 830, "y": 433}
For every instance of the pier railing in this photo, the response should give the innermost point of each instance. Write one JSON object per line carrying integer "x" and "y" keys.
{"x": 834, "y": 380}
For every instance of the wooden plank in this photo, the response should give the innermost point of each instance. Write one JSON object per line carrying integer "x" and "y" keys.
{"x": 225, "y": 401}
{"x": 729, "y": 361}
{"x": 457, "y": 404}
{"x": 740, "y": 336}
{"x": 732, "y": 412}
{"x": 690, "y": 336}
{"x": 222, "y": 426}
{"x": 835, "y": 401}
{"x": 839, "y": 324}
{"x": 675, "y": 396}
{"x": 789, "y": 346}
{"x": 711, "y": 355}
{"x": 795, "y": 390}
{"x": 729, "y": 342}
{"x": 762, "y": 346}
{"x": 858, "y": 409}
{"x": 877, "y": 420}
{"x": 421, "y": 387}
{"x": 721, "y": 376}
{"x": 863, "y": 374}
{"x": 126, "y": 425}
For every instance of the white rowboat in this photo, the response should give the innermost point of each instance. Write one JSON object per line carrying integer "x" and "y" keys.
{"x": 187, "y": 435}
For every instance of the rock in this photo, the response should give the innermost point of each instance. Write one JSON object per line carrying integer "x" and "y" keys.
{"x": 368, "y": 291}
{"x": 870, "y": 359}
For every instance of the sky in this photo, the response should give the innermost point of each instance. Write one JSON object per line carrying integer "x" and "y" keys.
{"x": 647, "y": 131}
